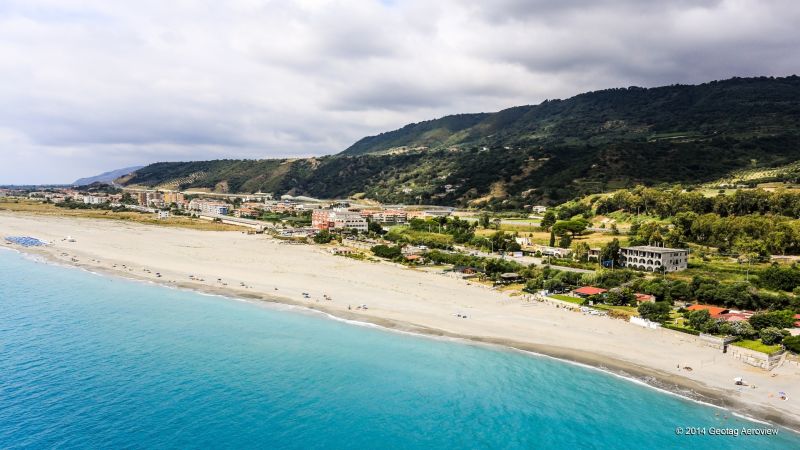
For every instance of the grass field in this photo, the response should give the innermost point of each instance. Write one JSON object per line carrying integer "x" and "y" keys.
{"x": 757, "y": 346}
{"x": 34, "y": 207}
{"x": 567, "y": 298}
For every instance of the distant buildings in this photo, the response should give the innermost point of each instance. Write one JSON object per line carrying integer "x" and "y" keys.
{"x": 386, "y": 215}
{"x": 209, "y": 207}
{"x": 95, "y": 199}
{"x": 337, "y": 219}
{"x": 538, "y": 209}
{"x": 654, "y": 259}
{"x": 428, "y": 213}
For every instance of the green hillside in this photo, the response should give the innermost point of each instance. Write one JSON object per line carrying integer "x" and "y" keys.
{"x": 550, "y": 152}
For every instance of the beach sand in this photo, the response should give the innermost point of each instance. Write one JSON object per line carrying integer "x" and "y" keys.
{"x": 257, "y": 267}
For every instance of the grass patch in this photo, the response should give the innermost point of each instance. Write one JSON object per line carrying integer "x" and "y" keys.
{"x": 758, "y": 346}
{"x": 567, "y": 298}
{"x": 629, "y": 311}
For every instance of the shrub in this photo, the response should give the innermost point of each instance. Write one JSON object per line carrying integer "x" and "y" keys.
{"x": 792, "y": 343}
{"x": 771, "y": 335}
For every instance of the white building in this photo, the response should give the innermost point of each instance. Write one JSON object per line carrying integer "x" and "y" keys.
{"x": 94, "y": 200}
{"x": 209, "y": 207}
{"x": 654, "y": 259}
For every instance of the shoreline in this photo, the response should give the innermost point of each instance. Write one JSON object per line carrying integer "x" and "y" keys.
{"x": 669, "y": 383}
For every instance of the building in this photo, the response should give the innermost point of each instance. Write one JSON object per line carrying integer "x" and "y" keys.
{"x": 715, "y": 311}
{"x": 94, "y": 200}
{"x": 587, "y": 291}
{"x": 654, "y": 259}
{"x": 594, "y": 254}
{"x": 538, "y": 209}
{"x": 162, "y": 214}
{"x": 556, "y": 252}
{"x": 333, "y": 219}
{"x": 641, "y": 298}
{"x": 171, "y": 197}
{"x": 209, "y": 207}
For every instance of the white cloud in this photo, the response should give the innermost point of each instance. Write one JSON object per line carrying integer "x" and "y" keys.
{"x": 93, "y": 85}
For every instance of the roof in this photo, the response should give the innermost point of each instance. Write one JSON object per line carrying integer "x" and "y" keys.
{"x": 510, "y": 275}
{"x": 589, "y": 290}
{"x": 644, "y": 297}
{"x": 715, "y": 311}
{"x": 413, "y": 257}
{"x": 733, "y": 317}
{"x": 650, "y": 248}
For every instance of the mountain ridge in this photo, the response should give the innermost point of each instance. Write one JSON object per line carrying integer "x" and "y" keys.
{"x": 106, "y": 177}
{"x": 550, "y": 152}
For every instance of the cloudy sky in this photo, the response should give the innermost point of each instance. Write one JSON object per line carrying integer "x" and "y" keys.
{"x": 93, "y": 85}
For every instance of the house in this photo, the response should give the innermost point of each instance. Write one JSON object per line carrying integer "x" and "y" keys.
{"x": 415, "y": 259}
{"x": 163, "y": 214}
{"x": 654, "y": 259}
{"x": 556, "y": 252}
{"x": 587, "y": 291}
{"x": 641, "y": 298}
{"x": 797, "y": 320}
{"x": 342, "y": 251}
{"x": 538, "y": 209}
{"x": 594, "y": 254}
{"x": 714, "y": 311}
{"x": 523, "y": 241}
{"x": 510, "y": 277}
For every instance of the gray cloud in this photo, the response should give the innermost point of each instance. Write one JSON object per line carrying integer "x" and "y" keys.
{"x": 94, "y": 85}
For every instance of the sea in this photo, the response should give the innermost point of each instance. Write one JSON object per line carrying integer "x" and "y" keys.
{"x": 94, "y": 361}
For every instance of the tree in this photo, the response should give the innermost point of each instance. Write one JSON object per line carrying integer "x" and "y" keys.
{"x": 484, "y": 220}
{"x": 548, "y": 220}
{"x": 610, "y": 252}
{"x": 552, "y": 239}
{"x": 699, "y": 320}
{"x": 741, "y": 329}
{"x": 620, "y": 297}
{"x": 771, "y": 335}
{"x": 581, "y": 251}
{"x": 376, "y": 228}
{"x": 776, "y": 319}
{"x": 385, "y": 251}
{"x": 565, "y": 241}
{"x": 574, "y": 227}
{"x": 323, "y": 237}
{"x": 657, "y": 312}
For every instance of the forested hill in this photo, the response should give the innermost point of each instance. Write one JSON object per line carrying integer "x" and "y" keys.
{"x": 736, "y": 106}
{"x": 531, "y": 154}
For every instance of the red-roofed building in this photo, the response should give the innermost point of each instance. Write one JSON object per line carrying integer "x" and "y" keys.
{"x": 715, "y": 311}
{"x": 588, "y": 290}
{"x": 797, "y": 319}
{"x": 641, "y": 298}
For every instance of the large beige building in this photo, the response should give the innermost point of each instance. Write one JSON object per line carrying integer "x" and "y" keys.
{"x": 654, "y": 259}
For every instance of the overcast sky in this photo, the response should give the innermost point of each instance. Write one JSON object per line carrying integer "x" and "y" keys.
{"x": 93, "y": 85}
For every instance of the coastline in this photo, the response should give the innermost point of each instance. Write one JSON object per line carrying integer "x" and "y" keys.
{"x": 635, "y": 371}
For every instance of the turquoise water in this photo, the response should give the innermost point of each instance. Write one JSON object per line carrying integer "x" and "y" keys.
{"x": 97, "y": 362}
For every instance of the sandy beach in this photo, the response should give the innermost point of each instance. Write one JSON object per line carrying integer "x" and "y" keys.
{"x": 257, "y": 267}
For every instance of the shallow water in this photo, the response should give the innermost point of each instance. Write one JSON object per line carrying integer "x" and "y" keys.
{"x": 101, "y": 362}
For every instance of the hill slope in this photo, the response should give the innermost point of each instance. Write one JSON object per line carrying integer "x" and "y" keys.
{"x": 548, "y": 152}
{"x": 106, "y": 177}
